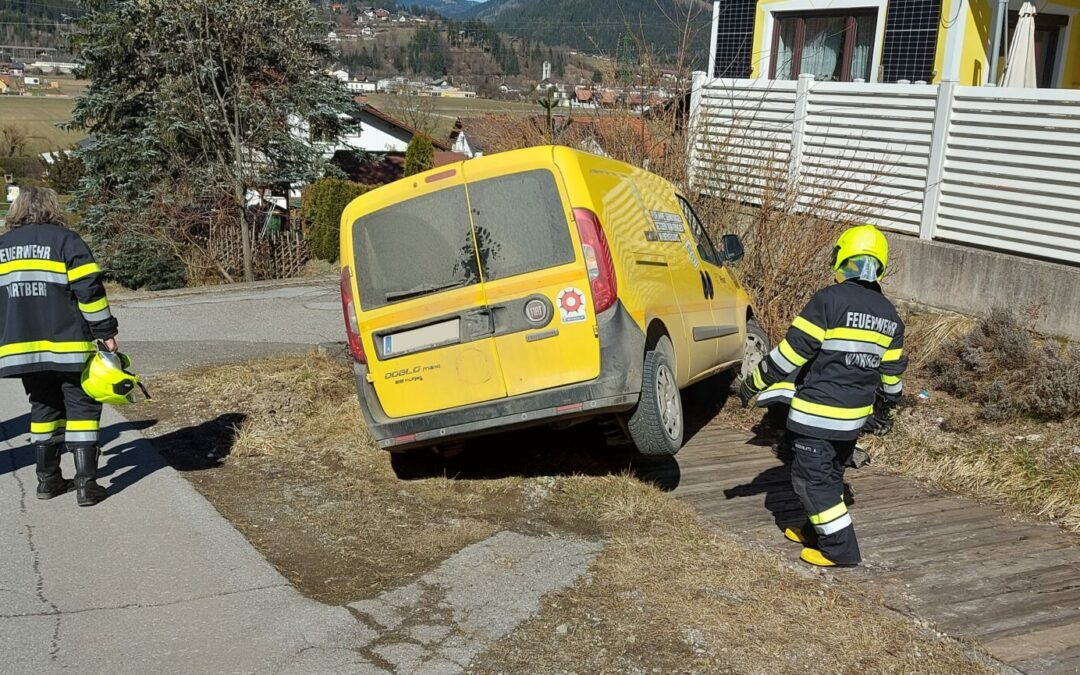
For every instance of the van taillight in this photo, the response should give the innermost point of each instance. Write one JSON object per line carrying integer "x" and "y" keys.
{"x": 352, "y": 326}
{"x": 597, "y": 259}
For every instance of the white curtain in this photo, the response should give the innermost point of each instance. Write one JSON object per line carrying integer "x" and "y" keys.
{"x": 786, "y": 51}
{"x": 822, "y": 47}
{"x": 861, "y": 59}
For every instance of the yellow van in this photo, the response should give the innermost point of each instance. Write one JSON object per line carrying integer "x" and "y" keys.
{"x": 537, "y": 286}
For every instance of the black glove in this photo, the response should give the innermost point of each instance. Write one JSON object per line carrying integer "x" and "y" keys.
{"x": 746, "y": 394}
{"x": 881, "y": 422}
{"x": 858, "y": 459}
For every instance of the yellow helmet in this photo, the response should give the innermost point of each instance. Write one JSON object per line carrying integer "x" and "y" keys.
{"x": 859, "y": 241}
{"x": 106, "y": 380}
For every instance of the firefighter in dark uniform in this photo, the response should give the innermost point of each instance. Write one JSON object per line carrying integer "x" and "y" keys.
{"x": 52, "y": 310}
{"x": 848, "y": 346}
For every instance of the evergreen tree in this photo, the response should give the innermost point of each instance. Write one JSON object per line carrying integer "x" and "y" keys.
{"x": 419, "y": 156}
{"x": 211, "y": 96}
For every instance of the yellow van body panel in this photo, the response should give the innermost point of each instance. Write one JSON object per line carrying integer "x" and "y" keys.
{"x": 661, "y": 284}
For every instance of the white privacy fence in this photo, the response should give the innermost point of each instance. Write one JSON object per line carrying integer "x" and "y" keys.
{"x": 996, "y": 168}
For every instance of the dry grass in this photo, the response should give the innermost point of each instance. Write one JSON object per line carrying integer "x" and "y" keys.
{"x": 1029, "y": 466}
{"x": 303, "y": 483}
{"x": 301, "y": 480}
{"x": 39, "y": 116}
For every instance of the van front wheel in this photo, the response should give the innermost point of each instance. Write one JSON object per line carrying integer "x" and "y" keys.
{"x": 657, "y": 424}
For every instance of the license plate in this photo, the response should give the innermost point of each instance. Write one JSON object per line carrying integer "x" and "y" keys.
{"x": 419, "y": 339}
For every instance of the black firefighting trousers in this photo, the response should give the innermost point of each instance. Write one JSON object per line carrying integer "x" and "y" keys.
{"x": 817, "y": 474}
{"x": 60, "y": 411}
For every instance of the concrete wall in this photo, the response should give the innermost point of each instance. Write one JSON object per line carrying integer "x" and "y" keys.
{"x": 971, "y": 281}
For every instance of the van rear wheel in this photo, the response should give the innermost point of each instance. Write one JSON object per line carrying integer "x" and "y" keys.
{"x": 657, "y": 424}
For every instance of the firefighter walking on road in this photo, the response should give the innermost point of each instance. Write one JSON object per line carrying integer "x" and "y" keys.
{"x": 848, "y": 343}
{"x": 52, "y": 310}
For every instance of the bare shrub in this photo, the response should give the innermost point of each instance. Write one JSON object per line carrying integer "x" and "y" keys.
{"x": 1004, "y": 368}
{"x": 13, "y": 141}
{"x": 418, "y": 112}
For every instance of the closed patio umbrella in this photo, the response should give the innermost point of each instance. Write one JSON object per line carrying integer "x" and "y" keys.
{"x": 1020, "y": 68}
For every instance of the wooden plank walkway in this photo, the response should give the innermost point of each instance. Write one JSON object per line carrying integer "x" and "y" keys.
{"x": 968, "y": 568}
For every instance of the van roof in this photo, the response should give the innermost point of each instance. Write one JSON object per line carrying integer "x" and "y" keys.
{"x": 539, "y": 156}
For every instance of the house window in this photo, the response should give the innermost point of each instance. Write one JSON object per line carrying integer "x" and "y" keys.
{"x": 833, "y": 47}
{"x": 1048, "y": 29}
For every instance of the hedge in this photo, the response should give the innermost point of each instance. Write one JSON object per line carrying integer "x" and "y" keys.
{"x": 320, "y": 210}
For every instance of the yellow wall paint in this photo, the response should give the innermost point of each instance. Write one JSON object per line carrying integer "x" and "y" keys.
{"x": 948, "y": 9}
{"x": 975, "y": 61}
{"x": 1071, "y": 77}
{"x": 759, "y": 37}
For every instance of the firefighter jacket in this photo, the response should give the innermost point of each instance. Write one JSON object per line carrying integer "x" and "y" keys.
{"x": 52, "y": 302}
{"x": 844, "y": 349}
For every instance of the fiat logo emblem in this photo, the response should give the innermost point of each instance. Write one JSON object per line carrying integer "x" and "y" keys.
{"x": 536, "y": 311}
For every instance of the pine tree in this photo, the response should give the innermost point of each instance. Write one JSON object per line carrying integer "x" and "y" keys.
{"x": 210, "y": 96}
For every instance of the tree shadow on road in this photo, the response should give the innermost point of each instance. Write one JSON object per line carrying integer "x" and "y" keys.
{"x": 13, "y": 459}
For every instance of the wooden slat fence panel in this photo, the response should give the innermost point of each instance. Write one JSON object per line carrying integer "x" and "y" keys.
{"x": 1012, "y": 172}
{"x": 996, "y": 168}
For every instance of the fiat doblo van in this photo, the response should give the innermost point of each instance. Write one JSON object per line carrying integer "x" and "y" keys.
{"x": 537, "y": 286}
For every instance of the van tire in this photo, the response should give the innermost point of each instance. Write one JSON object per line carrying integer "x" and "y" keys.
{"x": 660, "y": 405}
{"x": 756, "y": 348}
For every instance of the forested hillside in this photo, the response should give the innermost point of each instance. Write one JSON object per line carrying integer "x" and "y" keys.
{"x": 36, "y": 23}
{"x": 608, "y": 27}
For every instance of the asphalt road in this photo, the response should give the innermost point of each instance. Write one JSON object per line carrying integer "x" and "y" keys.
{"x": 174, "y": 331}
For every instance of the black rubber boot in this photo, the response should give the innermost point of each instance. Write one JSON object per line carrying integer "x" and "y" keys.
{"x": 51, "y": 483}
{"x": 87, "y": 491}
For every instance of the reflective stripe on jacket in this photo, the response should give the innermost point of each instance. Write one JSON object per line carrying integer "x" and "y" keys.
{"x": 844, "y": 348}
{"x": 52, "y": 301}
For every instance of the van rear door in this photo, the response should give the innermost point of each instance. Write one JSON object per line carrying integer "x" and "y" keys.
{"x": 535, "y": 276}
{"x": 423, "y": 304}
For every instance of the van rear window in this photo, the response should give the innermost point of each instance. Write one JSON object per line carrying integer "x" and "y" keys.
{"x": 426, "y": 244}
{"x": 521, "y": 225}
{"x": 415, "y": 248}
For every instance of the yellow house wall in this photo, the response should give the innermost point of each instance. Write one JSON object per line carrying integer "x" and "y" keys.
{"x": 1071, "y": 77}
{"x": 975, "y": 62}
{"x": 759, "y": 37}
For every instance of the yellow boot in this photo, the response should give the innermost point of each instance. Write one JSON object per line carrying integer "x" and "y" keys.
{"x": 817, "y": 559}
{"x": 791, "y": 534}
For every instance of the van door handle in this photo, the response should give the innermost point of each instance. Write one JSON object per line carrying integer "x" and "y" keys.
{"x": 477, "y": 324}
{"x": 707, "y": 285}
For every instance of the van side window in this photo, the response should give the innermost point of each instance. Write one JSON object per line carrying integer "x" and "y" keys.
{"x": 705, "y": 246}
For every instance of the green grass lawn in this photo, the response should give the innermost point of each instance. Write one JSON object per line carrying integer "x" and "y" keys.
{"x": 39, "y": 117}
{"x": 447, "y": 110}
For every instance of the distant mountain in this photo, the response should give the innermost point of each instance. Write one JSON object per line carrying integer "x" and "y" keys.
{"x": 590, "y": 25}
{"x": 451, "y": 9}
